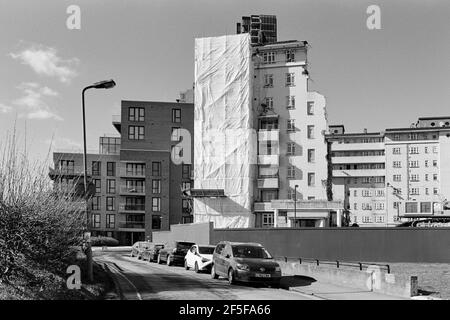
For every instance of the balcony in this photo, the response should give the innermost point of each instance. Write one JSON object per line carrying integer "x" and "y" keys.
{"x": 131, "y": 208}
{"x": 132, "y": 190}
{"x": 358, "y": 159}
{"x": 263, "y": 206}
{"x": 357, "y": 146}
{"x": 268, "y": 183}
{"x": 268, "y": 159}
{"x": 268, "y": 135}
{"x": 136, "y": 226}
{"x": 359, "y": 173}
{"x": 123, "y": 172}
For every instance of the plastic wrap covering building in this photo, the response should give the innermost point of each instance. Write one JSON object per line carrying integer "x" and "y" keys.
{"x": 224, "y": 132}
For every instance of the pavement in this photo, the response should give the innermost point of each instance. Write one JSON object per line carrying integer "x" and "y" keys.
{"x": 141, "y": 280}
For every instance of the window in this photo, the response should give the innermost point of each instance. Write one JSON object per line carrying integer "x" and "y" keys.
{"x": 426, "y": 177}
{"x": 186, "y": 185}
{"x": 435, "y": 177}
{"x": 290, "y": 125}
{"x": 187, "y": 219}
{"x": 427, "y": 191}
{"x": 366, "y": 219}
{"x": 185, "y": 205}
{"x": 135, "y": 203}
{"x": 380, "y": 193}
{"x": 111, "y": 169}
{"x": 291, "y": 194}
{"x": 414, "y": 177}
{"x": 395, "y": 150}
{"x": 425, "y": 207}
{"x": 269, "y": 102}
{"x": 268, "y": 80}
{"x": 176, "y": 115}
{"x": 186, "y": 171}
{"x": 311, "y": 179}
{"x": 290, "y": 104}
{"x": 434, "y": 149}
{"x": 110, "y": 221}
{"x": 136, "y": 114}
{"x": 355, "y": 206}
{"x": 434, "y": 163}
{"x": 435, "y": 191}
{"x": 269, "y": 57}
{"x": 135, "y": 169}
{"x": 156, "y": 186}
{"x": 397, "y": 177}
{"x": 414, "y": 191}
{"x": 290, "y": 80}
{"x": 413, "y": 164}
{"x": 96, "y": 203}
{"x": 176, "y": 134}
{"x": 96, "y": 168}
{"x": 98, "y": 185}
{"x": 291, "y": 172}
{"x": 135, "y": 132}
{"x": 311, "y": 155}
{"x": 379, "y": 219}
{"x": 110, "y": 186}
{"x": 310, "y": 132}
{"x": 135, "y": 186}
{"x": 397, "y": 137}
{"x": 290, "y": 148}
{"x": 310, "y": 108}
{"x": 426, "y": 163}
{"x": 413, "y": 150}
{"x": 156, "y": 221}
{"x": 396, "y": 205}
{"x": 411, "y": 207}
{"x": 355, "y": 193}
{"x": 413, "y": 136}
{"x": 156, "y": 204}
{"x": 267, "y": 219}
{"x": 67, "y": 166}
{"x": 95, "y": 220}
{"x": 156, "y": 168}
{"x": 367, "y": 206}
{"x": 397, "y": 164}
{"x": 110, "y": 204}
{"x": 426, "y": 149}
{"x": 366, "y": 193}
{"x": 290, "y": 56}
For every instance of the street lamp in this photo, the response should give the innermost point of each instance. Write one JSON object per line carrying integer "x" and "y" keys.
{"x": 295, "y": 204}
{"x": 106, "y": 84}
{"x": 395, "y": 193}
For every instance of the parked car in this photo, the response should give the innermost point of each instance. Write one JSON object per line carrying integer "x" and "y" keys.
{"x": 151, "y": 254}
{"x": 174, "y": 253}
{"x": 246, "y": 262}
{"x": 199, "y": 257}
{"x": 138, "y": 248}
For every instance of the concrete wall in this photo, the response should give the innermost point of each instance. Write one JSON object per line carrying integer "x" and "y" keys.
{"x": 196, "y": 232}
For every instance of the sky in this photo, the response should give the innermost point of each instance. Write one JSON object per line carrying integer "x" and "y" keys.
{"x": 371, "y": 79}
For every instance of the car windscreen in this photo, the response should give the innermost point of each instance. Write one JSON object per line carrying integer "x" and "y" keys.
{"x": 184, "y": 245}
{"x": 206, "y": 250}
{"x": 250, "y": 252}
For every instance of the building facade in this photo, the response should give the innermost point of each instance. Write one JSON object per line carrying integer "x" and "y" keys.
{"x": 262, "y": 28}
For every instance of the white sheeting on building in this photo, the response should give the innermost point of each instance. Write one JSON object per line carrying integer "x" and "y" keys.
{"x": 224, "y": 136}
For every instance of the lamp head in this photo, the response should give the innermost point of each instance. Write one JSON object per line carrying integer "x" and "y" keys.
{"x": 105, "y": 84}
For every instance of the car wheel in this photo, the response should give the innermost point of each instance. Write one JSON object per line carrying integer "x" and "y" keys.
{"x": 158, "y": 261}
{"x": 197, "y": 270}
{"x": 169, "y": 263}
{"x": 186, "y": 265}
{"x": 231, "y": 276}
{"x": 213, "y": 273}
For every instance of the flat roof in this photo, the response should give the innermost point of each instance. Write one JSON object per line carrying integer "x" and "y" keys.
{"x": 160, "y": 102}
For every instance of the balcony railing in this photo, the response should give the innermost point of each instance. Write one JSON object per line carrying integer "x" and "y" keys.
{"x": 132, "y": 189}
{"x": 123, "y": 172}
{"x": 268, "y": 183}
{"x": 123, "y": 207}
{"x": 132, "y": 224}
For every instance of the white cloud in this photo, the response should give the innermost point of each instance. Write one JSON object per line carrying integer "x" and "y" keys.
{"x": 5, "y": 109}
{"x": 33, "y": 101}
{"x": 64, "y": 143}
{"x": 45, "y": 61}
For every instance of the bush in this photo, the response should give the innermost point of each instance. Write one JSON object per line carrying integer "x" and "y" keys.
{"x": 104, "y": 241}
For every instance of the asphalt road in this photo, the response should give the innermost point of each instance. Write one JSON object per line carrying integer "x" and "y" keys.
{"x": 143, "y": 280}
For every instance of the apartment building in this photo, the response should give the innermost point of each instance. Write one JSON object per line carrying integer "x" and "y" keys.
{"x": 385, "y": 178}
{"x": 267, "y": 119}
{"x": 139, "y": 188}
{"x": 262, "y": 28}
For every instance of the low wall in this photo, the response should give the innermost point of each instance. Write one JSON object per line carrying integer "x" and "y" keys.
{"x": 194, "y": 232}
{"x": 371, "y": 279}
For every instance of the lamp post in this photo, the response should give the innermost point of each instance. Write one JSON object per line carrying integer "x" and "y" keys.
{"x": 295, "y": 204}
{"x": 395, "y": 193}
{"x": 106, "y": 84}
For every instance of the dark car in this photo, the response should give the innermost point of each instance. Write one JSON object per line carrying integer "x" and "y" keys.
{"x": 151, "y": 254}
{"x": 138, "y": 248}
{"x": 174, "y": 253}
{"x": 246, "y": 262}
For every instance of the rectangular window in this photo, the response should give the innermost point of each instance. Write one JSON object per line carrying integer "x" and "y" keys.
{"x": 269, "y": 57}
{"x": 111, "y": 169}
{"x": 380, "y": 193}
{"x": 98, "y": 185}
{"x": 413, "y": 150}
{"x": 186, "y": 185}
{"x": 290, "y": 79}
{"x": 397, "y": 164}
{"x": 269, "y": 102}
{"x": 156, "y": 168}
{"x": 355, "y": 206}
{"x": 96, "y": 203}
{"x": 176, "y": 115}
{"x": 311, "y": 179}
{"x": 311, "y": 155}
{"x": 434, "y": 163}
{"x": 156, "y": 186}
{"x": 434, "y": 149}
{"x": 187, "y": 219}
{"x": 135, "y": 186}
{"x": 267, "y": 220}
{"x": 290, "y": 56}
{"x": 397, "y": 177}
{"x": 415, "y": 178}
{"x": 156, "y": 204}
{"x": 366, "y": 219}
{"x": 291, "y": 194}
{"x": 136, "y": 132}
{"x": 136, "y": 114}
{"x": 427, "y": 191}
{"x": 379, "y": 219}
{"x": 290, "y": 104}
{"x": 290, "y": 125}
{"x": 425, "y": 207}
{"x": 397, "y": 137}
{"x": 110, "y": 203}
{"x": 413, "y": 164}
{"x": 185, "y": 205}
{"x": 396, "y": 151}
{"x": 355, "y": 193}
{"x": 413, "y": 136}
{"x": 310, "y": 132}
{"x": 426, "y": 163}
{"x": 95, "y": 220}
{"x": 186, "y": 171}
{"x": 414, "y": 191}
{"x": 268, "y": 80}
{"x": 411, "y": 207}
{"x": 110, "y": 186}
{"x": 291, "y": 172}
{"x": 135, "y": 169}
{"x": 156, "y": 222}
{"x": 435, "y": 191}
{"x": 426, "y": 149}
{"x": 110, "y": 221}
{"x": 435, "y": 177}
{"x": 96, "y": 168}
{"x": 310, "y": 108}
{"x": 67, "y": 166}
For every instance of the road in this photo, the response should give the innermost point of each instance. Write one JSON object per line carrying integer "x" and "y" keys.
{"x": 142, "y": 280}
